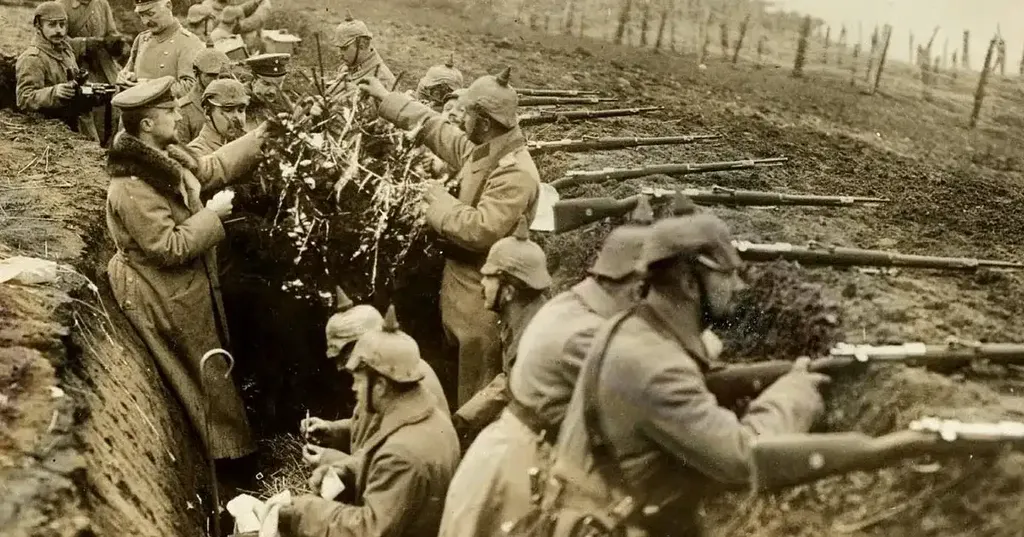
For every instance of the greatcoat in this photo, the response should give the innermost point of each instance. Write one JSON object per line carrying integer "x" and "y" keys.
{"x": 498, "y": 184}
{"x": 40, "y": 68}
{"x": 400, "y": 489}
{"x": 668, "y": 435}
{"x": 372, "y": 65}
{"x": 169, "y": 52}
{"x": 192, "y": 116}
{"x": 164, "y": 274}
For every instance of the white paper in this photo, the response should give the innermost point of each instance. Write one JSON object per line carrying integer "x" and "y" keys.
{"x": 331, "y": 486}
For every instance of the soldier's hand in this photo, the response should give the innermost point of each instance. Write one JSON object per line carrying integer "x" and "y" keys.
{"x": 801, "y": 369}
{"x": 344, "y": 470}
{"x": 221, "y": 203}
{"x": 434, "y": 191}
{"x": 373, "y": 87}
{"x": 125, "y": 78}
{"x": 315, "y": 455}
{"x": 315, "y": 429}
{"x": 65, "y": 90}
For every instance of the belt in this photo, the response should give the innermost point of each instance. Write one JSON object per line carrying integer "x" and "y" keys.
{"x": 532, "y": 421}
{"x": 462, "y": 255}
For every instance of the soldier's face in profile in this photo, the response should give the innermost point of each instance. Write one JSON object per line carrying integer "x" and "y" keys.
{"x": 204, "y": 79}
{"x": 162, "y": 125}
{"x": 229, "y": 120}
{"x": 54, "y": 31}
{"x": 722, "y": 287}
{"x": 475, "y": 125}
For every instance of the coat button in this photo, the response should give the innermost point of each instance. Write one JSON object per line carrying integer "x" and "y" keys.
{"x": 165, "y": 53}
{"x": 162, "y": 66}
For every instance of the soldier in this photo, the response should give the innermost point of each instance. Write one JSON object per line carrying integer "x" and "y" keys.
{"x": 208, "y": 65}
{"x": 199, "y": 19}
{"x": 165, "y": 48}
{"x": 360, "y": 59}
{"x": 438, "y": 84}
{"x": 399, "y": 487}
{"x": 515, "y": 277}
{"x": 164, "y": 274}
{"x": 94, "y": 18}
{"x": 248, "y": 8}
{"x": 268, "y": 72}
{"x": 490, "y": 486}
{"x": 641, "y": 423}
{"x": 498, "y": 184}
{"x": 46, "y": 69}
{"x": 224, "y": 103}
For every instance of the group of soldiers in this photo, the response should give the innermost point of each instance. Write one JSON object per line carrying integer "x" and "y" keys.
{"x": 585, "y": 413}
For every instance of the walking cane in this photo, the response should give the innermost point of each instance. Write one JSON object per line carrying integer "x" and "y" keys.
{"x": 209, "y": 439}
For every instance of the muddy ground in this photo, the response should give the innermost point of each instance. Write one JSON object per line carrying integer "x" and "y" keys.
{"x": 954, "y": 192}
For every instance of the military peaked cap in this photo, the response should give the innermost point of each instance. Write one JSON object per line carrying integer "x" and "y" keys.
{"x": 145, "y": 4}
{"x": 270, "y": 65}
{"x": 155, "y": 93}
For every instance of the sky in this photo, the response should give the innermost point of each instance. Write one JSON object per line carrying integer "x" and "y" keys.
{"x": 921, "y": 17}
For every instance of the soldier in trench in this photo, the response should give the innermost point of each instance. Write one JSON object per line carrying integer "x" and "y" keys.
{"x": 208, "y": 66}
{"x": 332, "y": 442}
{"x": 438, "y": 83}
{"x": 359, "y": 58}
{"x": 224, "y": 102}
{"x": 400, "y": 484}
{"x": 498, "y": 184}
{"x": 491, "y": 485}
{"x": 198, "y": 21}
{"x": 165, "y": 48}
{"x": 649, "y": 429}
{"x": 164, "y": 275}
{"x": 515, "y": 278}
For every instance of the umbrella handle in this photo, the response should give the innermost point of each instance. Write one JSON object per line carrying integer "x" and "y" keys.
{"x": 210, "y": 354}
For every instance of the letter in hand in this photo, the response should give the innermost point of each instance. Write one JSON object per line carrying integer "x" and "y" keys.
{"x": 221, "y": 203}
{"x": 373, "y": 87}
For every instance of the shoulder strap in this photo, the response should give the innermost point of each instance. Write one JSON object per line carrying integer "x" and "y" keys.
{"x": 604, "y": 455}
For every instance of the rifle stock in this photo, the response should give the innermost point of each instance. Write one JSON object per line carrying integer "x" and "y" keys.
{"x": 576, "y": 213}
{"x": 847, "y": 257}
{"x": 598, "y": 144}
{"x": 576, "y": 177}
{"x": 793, "y": 459}
{"x": 540, "y": 118}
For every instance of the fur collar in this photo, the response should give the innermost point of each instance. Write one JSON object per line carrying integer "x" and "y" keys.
{"x": 130, "y": 157}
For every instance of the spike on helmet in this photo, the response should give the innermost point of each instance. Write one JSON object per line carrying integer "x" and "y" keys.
{"x": 390, "y": 352}
{"x": 519, "y": 257}
{"x": 504, "y": 76}
{"x": 342, "y": 302}
{"x": 493, "y": 95}
{"x": 349, "y": 324}
{"x": 450, "y": 62}
{"x": 350, "y": 29}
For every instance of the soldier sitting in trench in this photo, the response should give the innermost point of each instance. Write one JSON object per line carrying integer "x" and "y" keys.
{"x": 332, "y": 441}
{"x": 409, "y": 460}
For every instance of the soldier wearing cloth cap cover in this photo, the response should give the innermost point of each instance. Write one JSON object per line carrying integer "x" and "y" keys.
{"x": 409, "y": 461}
{"x": 164, "y": 275}
{"x": 333, "y": 440}
{"x": 208, "y": 66}
{"x": 251, "y": 13}
{"x": 224, "y": 103}
{"x": 359, "y": 58}
{"x": 198, "y": 21}
{"x": 492, "y": 485}
{"x": 641, "y": 422}
{"x": 498, "y": 184}
{"x": 43, "y": 70}
{"x": 165, "y": 48}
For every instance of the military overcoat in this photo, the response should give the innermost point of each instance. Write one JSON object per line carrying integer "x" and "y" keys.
{"x": 39, "y": 69}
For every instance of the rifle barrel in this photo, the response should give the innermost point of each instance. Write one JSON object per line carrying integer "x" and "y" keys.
{"x": 575, "y": 177}
{"x": 546, "y": 92}
{"x": 848, "y": 257}
{"x": 595, "y": 144}
{"x": 540, "y": 118}
{"x": 757, "y": 198}
{"x": 546, "y": 100}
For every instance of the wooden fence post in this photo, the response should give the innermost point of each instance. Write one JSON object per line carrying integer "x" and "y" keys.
{"x": 979, "y": 94}
{"x": 871, "y": 55}
{"x": 965, "y": 57}
{"x": 881, "y": 60}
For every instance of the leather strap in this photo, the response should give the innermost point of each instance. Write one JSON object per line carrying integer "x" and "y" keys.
{"x": 532, "y": 421}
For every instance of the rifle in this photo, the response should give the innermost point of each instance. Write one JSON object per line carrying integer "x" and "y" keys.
{"x": 733, "y": 383}
{"x": 544, "y": 100}
{"x": 600, "y": 144}
{"x": 89, "y": 95}
{"x": 577, "y": 212}
{"x": 544, "y": 92}
{"x": 540, "y": 118}
{"x": 577, "y": 177}
{"x": 817, "y": 254}
{"x": 787, "y": 460}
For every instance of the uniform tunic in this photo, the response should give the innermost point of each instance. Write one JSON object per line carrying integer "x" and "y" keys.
{"x": 167, "y": 53}
{"x": 665, "y": 428}
{"x": 373, "y": 65}
{"x": 400, "y": 489}
{"x": 192, "y": 116}
{"x": 93, "y": 18}
{"x": 39, "y": 69}
{"x": 491, "y": 486}
{"x": 208, "y": 141}
{"x": 498, "y": 183}
{"x": 164, "y": 274}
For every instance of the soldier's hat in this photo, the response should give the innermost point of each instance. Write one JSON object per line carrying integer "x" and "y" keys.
{"x": 49, "y": 11}
{"x": 211, "y": 61}
{"x": 519, "y": 257}
{"x": 389, "y": 351}
{"x": 702, "y": 237}
{"x": 350, "y": 29}
{"x": 620, "y": 252}
{"x": 231, "y": 14}
{"x": 146, "y": 4}
{"x": 153, "y": 93}
{"x": 269, "y": 65}
{"x": 225, "y": 92}
{"x": 493, "y": 95}
{"x": 198, "y": 13}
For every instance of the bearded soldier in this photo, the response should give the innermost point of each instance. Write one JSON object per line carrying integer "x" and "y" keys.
{"x": 643, "y": 438}
{"x": 268, "y": 72}
{"x": 438, "y": 84}
{"x": 165, "y": 48}
{"x": 47, "y": 69}
{"x": 208, "y": 66}
{"x": 336, "y": 438}
{"x": 399, "y": 488}
{"x": 492, "y": 484}
{"x": 498, "y": 184}
{"x": 360, "y": 59}
{"x": 515, "y": 276}
{"x": 224, "y": 103}
{"x": 164, "y": 275}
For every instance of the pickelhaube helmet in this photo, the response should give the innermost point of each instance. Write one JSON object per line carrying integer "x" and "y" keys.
{"x": 349, "y": 323}
{"x": 49, "y": 11}
{"x": 225, "y": 92}
{"x": 445, "y": 74}
{"x": 390, "y": 352}
{"x": 493, "y": 95}
{"x": 519, "y": 257}
{"x": 692, "y": 236}
{"x": 620, "y": 252}
{"x": 350, "y": 29}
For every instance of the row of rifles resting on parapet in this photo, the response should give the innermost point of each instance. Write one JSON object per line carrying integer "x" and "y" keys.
{"x": 572, "y": 429}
